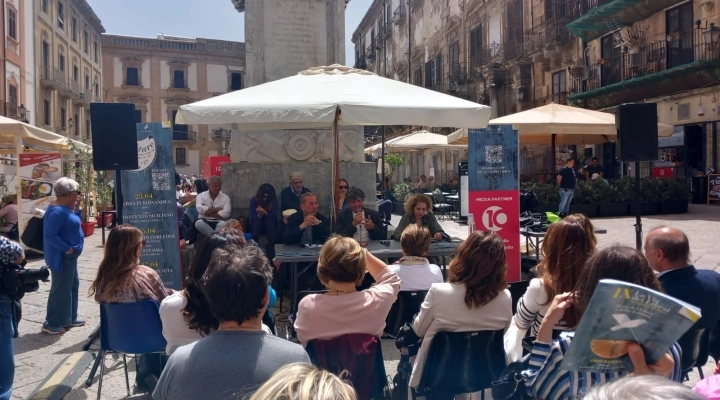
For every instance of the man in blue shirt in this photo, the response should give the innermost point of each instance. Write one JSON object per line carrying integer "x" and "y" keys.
{"x": 63, "y": 242}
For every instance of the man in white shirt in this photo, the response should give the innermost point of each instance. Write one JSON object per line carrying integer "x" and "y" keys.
{"x": 212, "y": 206}
{"x": 358, "y": 222}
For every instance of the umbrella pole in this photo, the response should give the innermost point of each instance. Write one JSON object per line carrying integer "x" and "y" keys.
{"x": 336, "y": 167}
{"x": 554, "y": 153}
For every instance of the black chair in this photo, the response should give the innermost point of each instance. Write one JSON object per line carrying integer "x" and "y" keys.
{"x": 462, "y": 362}
{"x": 517, "y": 290}
{"x": 694, "y": 345}
{"x": 441, "y": 207}
{"x": 403, "y": 310}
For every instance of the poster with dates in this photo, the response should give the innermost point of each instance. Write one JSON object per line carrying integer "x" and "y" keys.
{"x": 38, "y": 173}
{"x": 149, "y": 202}
{"x": 494, "y": 196}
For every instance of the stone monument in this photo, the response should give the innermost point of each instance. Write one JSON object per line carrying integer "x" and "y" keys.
{"x": 282, "y": 38}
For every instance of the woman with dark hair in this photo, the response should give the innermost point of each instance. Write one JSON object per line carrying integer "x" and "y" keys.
{"x": 568, "y": 244}
{"x": 342, "y": 188}
{"x": 186, "y": 315}
{"x": 264, "y": 214}
{"x": 545, "y": 379}
{"x": 475, "y": 297}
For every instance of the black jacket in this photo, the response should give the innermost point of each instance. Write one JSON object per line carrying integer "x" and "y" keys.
{"x": 700, "y": 288}
{"x": 345, "y": 227}
{"x": 293, "y": 234}
{"x": 288, "y": 200}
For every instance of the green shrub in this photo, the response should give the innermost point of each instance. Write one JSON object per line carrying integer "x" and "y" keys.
{"x": 401, "y": 192}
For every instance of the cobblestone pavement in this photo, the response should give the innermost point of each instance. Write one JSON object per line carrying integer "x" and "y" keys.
{"x": 37, "y": 354}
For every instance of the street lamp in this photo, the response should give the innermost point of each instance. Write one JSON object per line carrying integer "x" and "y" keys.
{"x": 23, "y": 113}
{"x": 519, "y": 93}
{"x": 71, "y": 123}
{"x": 712, "y": 35}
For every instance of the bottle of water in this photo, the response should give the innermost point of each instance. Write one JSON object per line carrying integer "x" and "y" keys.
{"x": 471, "y": 224}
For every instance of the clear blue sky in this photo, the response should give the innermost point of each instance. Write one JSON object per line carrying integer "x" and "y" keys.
{"x": 211, "y": 19}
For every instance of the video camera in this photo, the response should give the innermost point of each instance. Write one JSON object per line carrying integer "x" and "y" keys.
{"x": 15, "y": 280}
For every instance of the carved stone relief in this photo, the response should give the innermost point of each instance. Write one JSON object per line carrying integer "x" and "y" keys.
{"x": 294, "y": 145}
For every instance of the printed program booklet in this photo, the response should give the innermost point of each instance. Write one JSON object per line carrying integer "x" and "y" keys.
{"x": 621, "y": 313}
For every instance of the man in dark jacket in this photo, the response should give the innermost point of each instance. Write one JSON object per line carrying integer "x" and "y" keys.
{"x": 307, "y": 226}
{"x": 358, "y": 222}
{"x": 290, "y": 196}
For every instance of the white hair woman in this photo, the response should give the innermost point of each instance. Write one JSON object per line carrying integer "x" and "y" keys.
{"x": 301, "y": 381}
{"x": 63, "y": 242}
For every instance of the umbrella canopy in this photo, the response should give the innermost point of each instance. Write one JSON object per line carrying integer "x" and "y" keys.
{"x": 417, "y": 140}
{"x": 311, "y": 99}
{"x": 33, "y": 137}
{"x": 570, "y": 125}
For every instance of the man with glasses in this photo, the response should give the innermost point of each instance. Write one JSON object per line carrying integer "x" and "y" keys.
{"x": 290, "y": 196}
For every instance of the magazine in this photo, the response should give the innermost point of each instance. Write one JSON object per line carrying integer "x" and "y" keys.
{"x": 621, "y": 313}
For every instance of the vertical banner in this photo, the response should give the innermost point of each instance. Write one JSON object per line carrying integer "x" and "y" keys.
{"x": 38, "y": 173}
{"x": 149, "y": 202}
{"x": 494, "y": 187}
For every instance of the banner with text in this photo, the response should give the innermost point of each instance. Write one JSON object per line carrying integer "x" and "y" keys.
{"x": 494, "y": 188}
{"x": 38, "y": 173}
{"x": 149, "y": 202}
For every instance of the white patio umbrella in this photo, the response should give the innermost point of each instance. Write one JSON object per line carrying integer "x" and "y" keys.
{"x": 333, "y": 96}
{"x": 419, "y": 140}
{"x": 560, "y": 124}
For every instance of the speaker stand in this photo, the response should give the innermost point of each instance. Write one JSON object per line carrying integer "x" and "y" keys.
{"x": 118, "y": 197}
{"x": 638, "y": 220}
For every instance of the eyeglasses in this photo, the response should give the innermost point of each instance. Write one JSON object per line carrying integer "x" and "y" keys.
{"x": 343, "y": 187}
{"x": 296, "y": 182}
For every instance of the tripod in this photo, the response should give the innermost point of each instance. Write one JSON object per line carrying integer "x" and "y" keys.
{"x": 94, "y": 336}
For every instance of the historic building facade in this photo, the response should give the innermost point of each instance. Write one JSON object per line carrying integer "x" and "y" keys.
{"x": 160, "y": 74}
{"x": 68, "y": 55}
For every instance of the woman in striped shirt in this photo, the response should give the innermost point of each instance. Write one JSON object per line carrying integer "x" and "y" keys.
{"x": 568, "y": 244}
{"x": 544, "y": 378}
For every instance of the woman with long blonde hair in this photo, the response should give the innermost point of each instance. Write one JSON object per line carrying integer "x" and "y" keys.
{"x": 300, "y": 381}
{"x": 120, "y": 277}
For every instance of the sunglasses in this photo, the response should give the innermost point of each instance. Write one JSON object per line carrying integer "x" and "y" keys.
{"x": 343, "y": 187}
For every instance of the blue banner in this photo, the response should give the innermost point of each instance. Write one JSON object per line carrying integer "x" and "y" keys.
{"x": 149, "y": 202}
{"x": 493, "y": 158}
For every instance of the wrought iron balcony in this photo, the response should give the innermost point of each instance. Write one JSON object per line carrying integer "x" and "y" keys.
{"x": 180, "y": 134}
{"x": 370, "y": 51}
{"x": 683, "y": 61}
{"x": 399, "y": 14}
{"x": 360, "y": 63}
{"x": 596, "y": 18}
{"x": 220, "y": 134}
{"x": 492, "y": 54}
{"x": 13, "y": 111}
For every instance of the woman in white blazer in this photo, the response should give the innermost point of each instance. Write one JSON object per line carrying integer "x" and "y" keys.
{"x": 475, "y": 297}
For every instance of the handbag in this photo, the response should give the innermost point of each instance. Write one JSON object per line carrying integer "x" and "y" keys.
{"x": 510, "y": 385}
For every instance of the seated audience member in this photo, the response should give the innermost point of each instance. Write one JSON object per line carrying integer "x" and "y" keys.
{"x": 642, "y": 387}
{"x": 475, "y": 297}
{"x": 185, "y": 315}
{"x": 421, "y": 182}
{"x": 307, "y": 226}
{"x": 304, "y": 382}
{"x": 668, "y": 253}
{"x": 358, "y": 222}
{"x": 212, "y": 206}
{"x": 545, "y": 379}
{"x": 233, "y": 361}
{"x": 414, "y": 270}
{"x": 290, "y": 196}
{"x": 264, "y": 213}
{"x": 343, "y": 187}
{"x": 430, "y": 184}
{"x": 9, "y": 212}
{"x": 120, "y": 277}
{"x": 418, "y": 210}
{"x": 178, "y": 192}
{"x": 565, "y": 250}
{"x": 344, "y": 310}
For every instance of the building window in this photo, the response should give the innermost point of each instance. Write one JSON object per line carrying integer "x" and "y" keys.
{"x": 476, "y": 45}
{"x": 63, "y": 118}
{"x": 61, "y": 62}
{"x": 138, "y": 116}
{"x": 132, "y": 77}
{"x": 46, "y": 112}
{"x": 12, "y": 23}
{"x": 559, "y": 89}
{"x": 45, "y": 60}
{"x": 61, "y": 15}
{"x": 95, "y": 51}
{"x": 514, "y": 31}
{"x": 418, "y": 77}
{"x": 43, "y": 5}
{"x": 180, "y": 132}
{"x": 179, "y": 79}
{"x": 86, "y": 42}
{"x": 87, "y": 81}
{"x": 88, "y": 133}
{"x": 181, "y": 156}
{"x": 235, "y": 81}
{"x": 76, "y": 73}
{"x": 433, "y": 72}
{"x": 97, "y": 88}
{"x": 77, "y": 124}
{"x": 73, "y": 28}
{"x": 13, "y": 101}
{"x": 454, "y": 60}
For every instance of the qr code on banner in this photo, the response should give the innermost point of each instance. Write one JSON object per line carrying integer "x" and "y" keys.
{"x": 161, "y": 179}
{"x": 494, "y": 154}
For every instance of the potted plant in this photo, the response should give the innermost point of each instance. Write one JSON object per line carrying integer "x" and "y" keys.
{"x": 394, "y": 161}
{"x": 649, "y": 196}
{"x": 547, "y": 195}
{"x": 401, "y": 192}
{"x": 611, "y": 202}
{"x": 84, "y": 173}
{"x": 584, "y": 200}
{"x": 675, "y": 195}
{"x": 104, "y": 197}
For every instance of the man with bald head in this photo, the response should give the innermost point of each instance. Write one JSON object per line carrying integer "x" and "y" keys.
{"x": 668, "y": 252}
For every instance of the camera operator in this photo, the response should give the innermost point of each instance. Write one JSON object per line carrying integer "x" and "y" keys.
{"x": 10, "y": 253}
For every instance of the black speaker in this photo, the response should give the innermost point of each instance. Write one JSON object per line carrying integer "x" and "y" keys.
{"x": 637, "y": 132}
{"x": 114, "y": 136}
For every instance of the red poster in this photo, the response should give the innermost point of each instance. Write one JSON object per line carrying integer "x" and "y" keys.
{"x": 497, "y": 211}
{"x": 663, "y": 172}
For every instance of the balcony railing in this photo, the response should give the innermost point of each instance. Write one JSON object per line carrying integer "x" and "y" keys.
{"x": 585, "y": 6}
{"x": 370, "y": 51}
{"x": 399, "y": 15}
{"x": 386, "y": 30}
{"x": 13, "y": 111}
{"x": 220, "y": 134}
{"x": 360, "y": 63}
{"x": 87, "y": 96}
{"x": 678, "y": 49}
{"x": 492, "y": 54}
{"x": 185, "y": 135}
{"x": 75, "y": 87}
{"x": 200, "y": 45}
